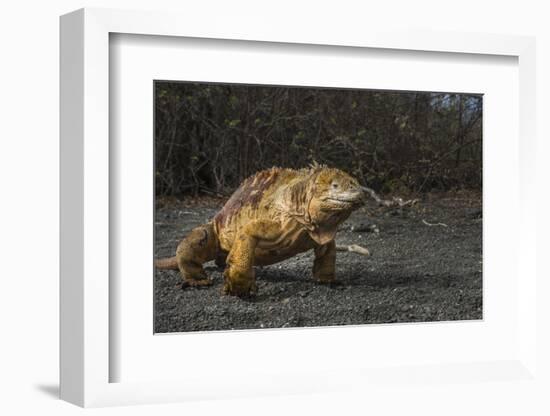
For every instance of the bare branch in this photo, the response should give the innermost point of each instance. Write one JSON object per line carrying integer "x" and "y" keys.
{"x": 395, "y": 201}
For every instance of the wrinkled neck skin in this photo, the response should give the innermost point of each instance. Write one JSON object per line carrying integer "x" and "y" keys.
{"x": 299, "y": 202}
{"x": 325, "y": 222}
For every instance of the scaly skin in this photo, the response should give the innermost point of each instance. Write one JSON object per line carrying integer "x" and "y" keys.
{"x": 273, "y": 215}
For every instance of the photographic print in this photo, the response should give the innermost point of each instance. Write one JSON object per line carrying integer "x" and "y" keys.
{"x": 285, "y": 206}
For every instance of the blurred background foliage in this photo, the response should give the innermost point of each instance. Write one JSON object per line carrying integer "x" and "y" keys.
{"x": 209, "y": 137}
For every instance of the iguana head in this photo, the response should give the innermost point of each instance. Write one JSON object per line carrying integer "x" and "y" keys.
{"x": 333, "y": 195}
{"x": 335, "y": 191}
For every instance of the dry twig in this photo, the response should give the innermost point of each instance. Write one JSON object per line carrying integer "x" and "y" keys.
{"x": 354, "y": 248}
{"x": 435, "y": 224}
{"x": 395, "y": 201}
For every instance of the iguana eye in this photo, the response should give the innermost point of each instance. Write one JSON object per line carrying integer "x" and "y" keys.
{"x": 335, "y": 185}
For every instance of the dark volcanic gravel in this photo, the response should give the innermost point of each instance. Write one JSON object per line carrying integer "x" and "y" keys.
{"x": 415, "y": 273}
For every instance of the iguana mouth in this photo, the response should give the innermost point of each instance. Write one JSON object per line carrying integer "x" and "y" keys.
{"x": 350, "y": 197}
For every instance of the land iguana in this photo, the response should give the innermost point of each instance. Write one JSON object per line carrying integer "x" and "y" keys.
{"x": 272, "y": 216}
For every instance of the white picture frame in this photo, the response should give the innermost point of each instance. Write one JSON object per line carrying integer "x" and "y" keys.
{"x": 85, "y": 164}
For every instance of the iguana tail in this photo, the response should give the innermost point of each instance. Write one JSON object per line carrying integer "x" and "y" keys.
{"x": 169, "y": 263}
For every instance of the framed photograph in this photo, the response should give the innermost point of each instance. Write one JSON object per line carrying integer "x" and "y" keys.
{"x": 266, "y": 213}
{"x": 252, "y": 176}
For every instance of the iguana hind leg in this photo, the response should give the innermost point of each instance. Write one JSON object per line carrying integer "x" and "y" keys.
{"x": 239, "y": 276}
{"x": 325, "y": 262}
{"x": 194, "y": 250}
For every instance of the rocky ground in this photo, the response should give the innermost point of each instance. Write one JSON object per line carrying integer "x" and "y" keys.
{"x": 425, "y": 265}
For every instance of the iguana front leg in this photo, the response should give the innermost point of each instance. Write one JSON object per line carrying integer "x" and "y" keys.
{"x": 239, "y": 276}
{"x": 325, "y": 262}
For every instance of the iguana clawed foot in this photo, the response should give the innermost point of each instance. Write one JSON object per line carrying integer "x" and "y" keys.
{"x": 198, "y": 283}
{"x": 239, "y": 283}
